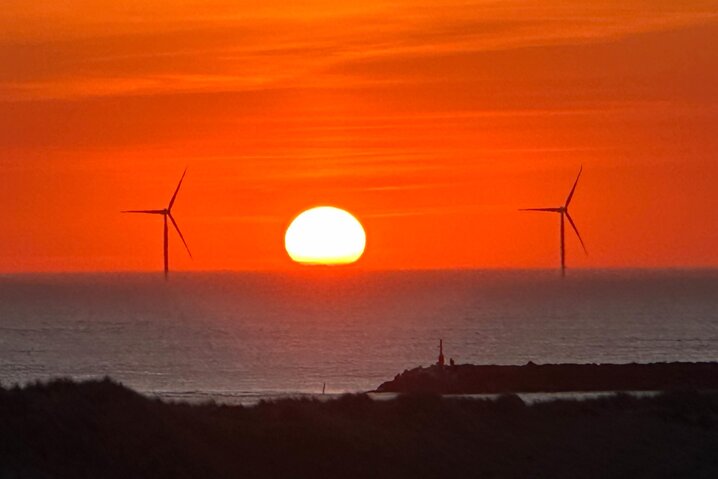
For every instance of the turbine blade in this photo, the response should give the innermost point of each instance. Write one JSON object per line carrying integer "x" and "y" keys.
{"x": 172, "y": 201}
{"x": 573, "y": 225}
{"x": 570, "y": 195}
{"x": 148, "y": 212}
{"x": 174, "y": 223}
{"x": 552, "y": 210}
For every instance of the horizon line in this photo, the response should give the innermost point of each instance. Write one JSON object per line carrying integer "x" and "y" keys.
{"x": 354, "y": 270}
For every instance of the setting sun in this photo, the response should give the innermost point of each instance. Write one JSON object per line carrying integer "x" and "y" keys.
{"x": 325, "y": 235}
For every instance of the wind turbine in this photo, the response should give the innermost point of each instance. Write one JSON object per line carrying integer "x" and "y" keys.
{"x": 563, "y": 211}
{"x": 167, "y": 213}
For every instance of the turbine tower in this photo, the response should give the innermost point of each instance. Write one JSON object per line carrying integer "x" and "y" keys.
{"x": 167, "y": 213}
{"x": 563, "y": 211}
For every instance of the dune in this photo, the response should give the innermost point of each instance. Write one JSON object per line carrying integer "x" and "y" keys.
{"x": 101, "y": 429}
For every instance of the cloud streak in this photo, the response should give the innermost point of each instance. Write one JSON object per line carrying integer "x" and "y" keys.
{"x": 235, "y": 47}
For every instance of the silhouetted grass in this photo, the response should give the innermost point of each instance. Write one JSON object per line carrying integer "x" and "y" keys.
{"x": 101, "y": 429}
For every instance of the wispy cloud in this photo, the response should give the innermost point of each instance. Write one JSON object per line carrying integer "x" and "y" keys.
{"x": 99, "y": 49}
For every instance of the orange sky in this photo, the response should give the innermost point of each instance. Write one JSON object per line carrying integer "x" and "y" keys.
{"x": 431, "y": 121}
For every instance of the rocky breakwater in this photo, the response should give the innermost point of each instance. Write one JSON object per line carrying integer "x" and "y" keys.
{"x": 493, "y": 379}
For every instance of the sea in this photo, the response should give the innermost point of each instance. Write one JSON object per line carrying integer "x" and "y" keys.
{"x": 237, "y": 338}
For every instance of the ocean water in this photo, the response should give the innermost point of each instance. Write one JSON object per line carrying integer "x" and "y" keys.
{"x": 237, "y": 337}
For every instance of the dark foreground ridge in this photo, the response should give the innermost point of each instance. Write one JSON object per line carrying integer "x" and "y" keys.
{"x": 473, "y": 379}
{"x": 100, "y": 429}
